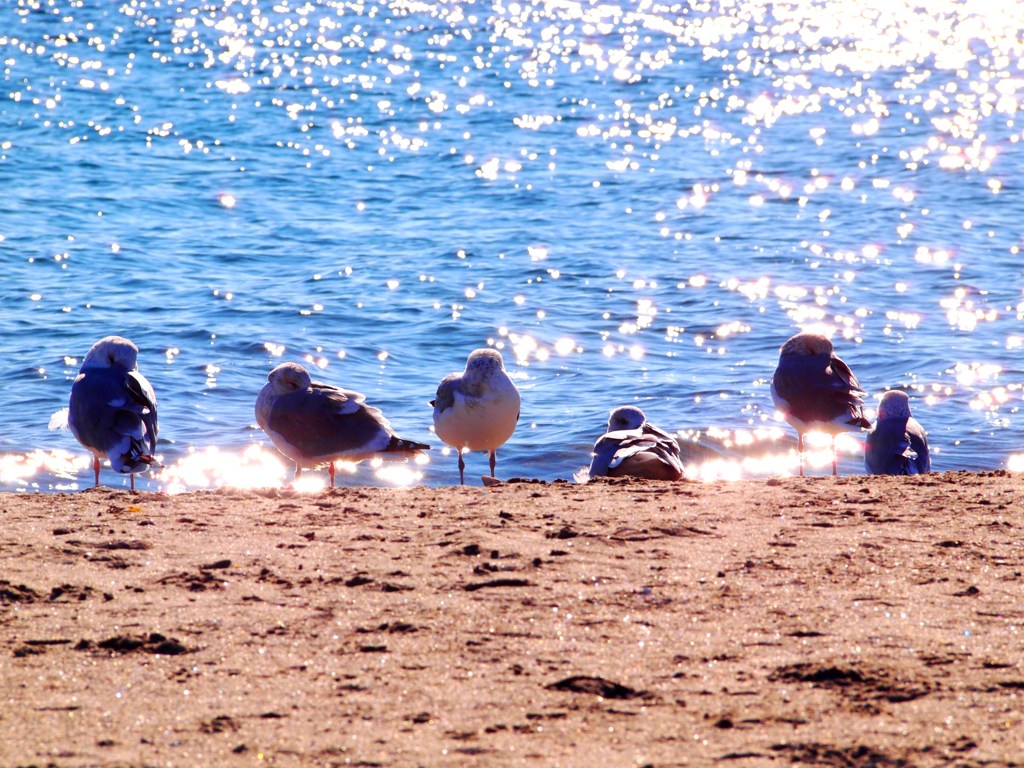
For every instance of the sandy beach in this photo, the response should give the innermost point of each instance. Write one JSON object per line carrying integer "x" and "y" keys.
{"x": 858, "y": 621}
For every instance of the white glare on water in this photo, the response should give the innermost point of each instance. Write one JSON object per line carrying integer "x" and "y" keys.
{"x": 255, "y": 467}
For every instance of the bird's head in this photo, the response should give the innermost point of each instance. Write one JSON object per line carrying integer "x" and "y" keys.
{"x": 894, "y": 404}
{"x": 807, "y": 344}
{"x": 625, "y": 417}
{"x": 289, "y": 377}
{"x": 112, "y": 352}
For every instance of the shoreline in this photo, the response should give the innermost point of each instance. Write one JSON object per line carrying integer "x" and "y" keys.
{"x": 858, "y": 620}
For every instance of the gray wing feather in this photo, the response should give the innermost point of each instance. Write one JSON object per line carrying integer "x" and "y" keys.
{"x": 144, "y": 396}
{"x": 445, "y": 397}
{"x": 919, "y": 444}
{"x": 604, "y": 451}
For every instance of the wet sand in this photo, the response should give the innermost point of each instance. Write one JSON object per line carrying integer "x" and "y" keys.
{"x": 837, "y": 622}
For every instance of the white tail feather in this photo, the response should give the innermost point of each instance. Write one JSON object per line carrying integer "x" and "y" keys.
{"x": 59, "y": 420}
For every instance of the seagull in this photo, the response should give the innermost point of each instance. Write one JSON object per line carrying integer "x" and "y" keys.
{"x": 898, "y": 444}
{"x": 477, "y": 409}
{"x": 634, "y": 447}
{"x": 816, "y": 391}
{"x": 112, "y": 409}
{"x": 315, "y": 424}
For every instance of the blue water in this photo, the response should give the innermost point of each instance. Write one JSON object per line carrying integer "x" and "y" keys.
{"x": 636, "y": 204}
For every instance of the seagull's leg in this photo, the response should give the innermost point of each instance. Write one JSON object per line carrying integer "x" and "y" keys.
{"x": 298, "y": 474}
{"x": 131, "y": 480}
{"x": 330, "y": 473}
{"x": 96, "y": 469}
{"x": 462, "y": 469}
{"x": 835, "y": 470}
{"x": 800, "y": 450}
{"x": 493, "y": 455}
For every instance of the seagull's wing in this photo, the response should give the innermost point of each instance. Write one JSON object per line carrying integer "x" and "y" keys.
{"x": 666, "y": 451}
{"x": 845, "y": 375}
{"x": 888, "y": 450}
{"x": 661, "y": 434}
{"x": 144, "y": 398}
{"x": 604, "y": 453}
{"x": 325, "y": 421}
{"x": 445, "y": 397}
{"x": 814, "y": 392}
{"x": 335, "y": 399}
{"x": 919, "y": 444}
{"x": 90, "y": 416}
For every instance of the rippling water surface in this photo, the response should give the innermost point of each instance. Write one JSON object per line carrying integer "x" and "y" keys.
{"x": 636, "y": 203}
